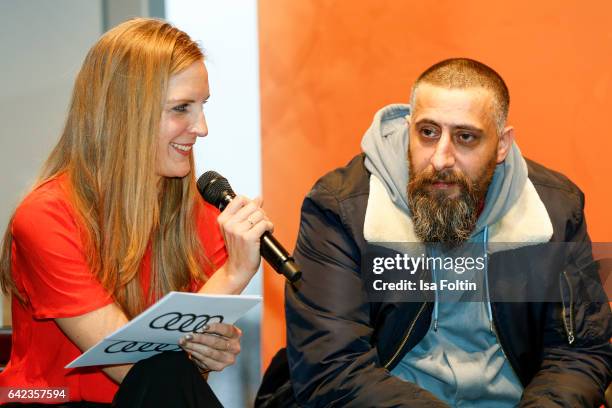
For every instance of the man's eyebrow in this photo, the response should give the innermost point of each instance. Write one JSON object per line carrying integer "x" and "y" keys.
{"x": 463, "y": 126}
{"x": 427, "y": 122}
{"x": 469, "y": 127}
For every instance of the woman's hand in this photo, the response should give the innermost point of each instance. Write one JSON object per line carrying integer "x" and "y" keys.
{"x": 242, "y": 224}
{"x": 214, "y": 349}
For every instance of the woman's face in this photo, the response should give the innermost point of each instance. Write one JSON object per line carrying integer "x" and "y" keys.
{"x": 182, "y": 120}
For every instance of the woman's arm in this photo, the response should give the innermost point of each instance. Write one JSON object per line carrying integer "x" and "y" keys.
{"x": 88, "y": 329}
{"x": 242, "y": 224}
{"x": 50, "y": 264}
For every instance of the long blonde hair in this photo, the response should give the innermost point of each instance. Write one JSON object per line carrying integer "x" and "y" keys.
{"x": 108, "y": 150}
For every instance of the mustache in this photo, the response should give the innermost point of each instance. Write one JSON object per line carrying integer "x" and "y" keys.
{"x": 430, "y": 176}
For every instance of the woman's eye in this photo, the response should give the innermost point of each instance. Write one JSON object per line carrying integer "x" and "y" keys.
{"x": 180, "y": 108}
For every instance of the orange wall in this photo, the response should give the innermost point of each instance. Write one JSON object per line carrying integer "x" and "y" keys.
{"x": 327, "y": 66}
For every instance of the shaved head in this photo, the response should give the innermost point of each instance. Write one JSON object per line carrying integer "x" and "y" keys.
{"x": 462, "y": 73}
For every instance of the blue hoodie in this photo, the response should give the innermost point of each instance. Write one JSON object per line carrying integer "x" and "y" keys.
{"x": 460, "y": 359}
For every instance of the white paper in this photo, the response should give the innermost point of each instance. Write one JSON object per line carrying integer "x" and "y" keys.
{"x": 160, "y": 327}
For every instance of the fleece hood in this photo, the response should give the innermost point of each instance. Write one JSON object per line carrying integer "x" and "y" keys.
{"x": 385, "y": 145}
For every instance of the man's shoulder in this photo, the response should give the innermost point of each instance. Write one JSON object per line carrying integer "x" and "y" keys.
{"x": 344, "y": 182}
{"x": 545, "y": 178}
{"x": 561, "y": 197}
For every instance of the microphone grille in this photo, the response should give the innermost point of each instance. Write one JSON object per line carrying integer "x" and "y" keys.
{"x": 213, "y": 187}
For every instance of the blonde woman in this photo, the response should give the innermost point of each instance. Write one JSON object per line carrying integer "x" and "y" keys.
{"x": 115, "y": 222}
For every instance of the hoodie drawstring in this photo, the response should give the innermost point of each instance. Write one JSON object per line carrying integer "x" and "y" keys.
{"x": 486, "y": 284}
{"x": 486, "y": 277}
{"x": 436, "y": 300}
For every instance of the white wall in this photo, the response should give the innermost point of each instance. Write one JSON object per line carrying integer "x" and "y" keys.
{"x": 227, "y": 31}
{"x": 42, "y": 45}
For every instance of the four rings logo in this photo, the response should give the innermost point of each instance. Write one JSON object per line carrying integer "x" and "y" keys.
{"x": 184, "y": 323}
{"x": 123, "y": 346}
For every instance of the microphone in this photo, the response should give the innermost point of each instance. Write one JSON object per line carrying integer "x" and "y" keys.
{"x": 216, "y": 190}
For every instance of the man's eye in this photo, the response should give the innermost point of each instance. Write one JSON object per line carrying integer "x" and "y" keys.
{"x": 466, "y": 137}
{"x": 428, "y": 132}
{"x": 180, "y": 108}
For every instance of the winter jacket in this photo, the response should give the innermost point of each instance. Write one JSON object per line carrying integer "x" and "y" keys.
{"x": 341, "y": 346}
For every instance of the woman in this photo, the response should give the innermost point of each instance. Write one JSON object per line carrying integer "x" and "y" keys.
{"x": 115, "y": 221}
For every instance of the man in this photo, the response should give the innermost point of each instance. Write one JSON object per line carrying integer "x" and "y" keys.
{"x": 445, "y": 170}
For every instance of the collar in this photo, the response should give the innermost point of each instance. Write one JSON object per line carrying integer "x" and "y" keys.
{"x": 526, "y": 223}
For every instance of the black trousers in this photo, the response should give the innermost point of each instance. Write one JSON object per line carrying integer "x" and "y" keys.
{"x": 167, "y": 379}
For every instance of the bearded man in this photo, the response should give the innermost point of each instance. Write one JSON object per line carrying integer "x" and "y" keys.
{"x": 445, "y": 171}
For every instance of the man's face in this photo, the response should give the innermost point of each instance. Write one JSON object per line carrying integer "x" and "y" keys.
{"x": 454, "y": 147}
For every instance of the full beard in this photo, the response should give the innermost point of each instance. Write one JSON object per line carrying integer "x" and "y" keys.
{"x": 440, "y": 218}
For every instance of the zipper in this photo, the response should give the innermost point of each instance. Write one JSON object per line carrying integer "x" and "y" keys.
{"x": 494, "y": 328}
{"x": 501, "y": 346}
{"x": 403, "y": 343}
{"x": 569, "y": 329}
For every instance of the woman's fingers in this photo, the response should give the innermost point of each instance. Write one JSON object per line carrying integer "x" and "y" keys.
{"x": 258, "y": 229}
{"x": 255, "y": 217}
{"x": 240, "y": 208}
{"x": 242, "y": 217}
{"x": 235, "y": 205}
{"x": 226, "y": 330}
{"x": 243, "y": 223}
{"x": 215, "y": 349}
{"x": 209, "y": 359}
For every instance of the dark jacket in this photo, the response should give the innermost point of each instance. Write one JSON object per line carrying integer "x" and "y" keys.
{"x": 341, "y": 346}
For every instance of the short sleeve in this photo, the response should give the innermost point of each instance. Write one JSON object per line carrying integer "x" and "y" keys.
{"x": 48, "y": 263}
{"x": 211, "y": 238}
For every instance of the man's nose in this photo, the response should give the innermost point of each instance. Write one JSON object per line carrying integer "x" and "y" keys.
{"x": 444, "y": 154}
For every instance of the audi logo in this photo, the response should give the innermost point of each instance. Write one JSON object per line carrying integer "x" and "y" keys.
{"x": 184, "y": 323}
{"x": 123, "y": 346}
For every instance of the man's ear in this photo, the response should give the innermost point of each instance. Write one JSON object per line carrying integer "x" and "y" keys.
{"x": 505, "y": 143}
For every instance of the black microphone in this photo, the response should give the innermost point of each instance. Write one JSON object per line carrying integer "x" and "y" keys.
{"x": 216, "y": 190}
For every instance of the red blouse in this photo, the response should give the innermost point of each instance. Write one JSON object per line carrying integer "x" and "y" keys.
{"x": 49, "y": 266}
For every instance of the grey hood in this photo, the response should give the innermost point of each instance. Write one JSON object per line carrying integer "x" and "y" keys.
{"x": 385, "y": 145}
